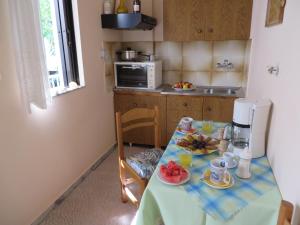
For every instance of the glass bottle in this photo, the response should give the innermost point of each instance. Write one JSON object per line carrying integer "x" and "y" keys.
{"x": 243, "y": 170}
{"x": 107, "y": 7}
{"x": 122, "y": 7}
{"x": 136, "y": 6}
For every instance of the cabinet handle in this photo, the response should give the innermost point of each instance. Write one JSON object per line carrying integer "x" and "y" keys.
{"x": 185, "y": 104}
{"x": 199, "y": 31}
{"x": 210, "y": 30}
{"x": 135, "y": 104}
{"x": 209, "y": 109}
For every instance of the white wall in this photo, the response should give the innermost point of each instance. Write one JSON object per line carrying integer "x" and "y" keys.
{"x": 279, "y": 45}
{"x": 42, "y": 154}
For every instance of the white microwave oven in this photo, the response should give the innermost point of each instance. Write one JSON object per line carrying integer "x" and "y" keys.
{"x": 143, "y": 75}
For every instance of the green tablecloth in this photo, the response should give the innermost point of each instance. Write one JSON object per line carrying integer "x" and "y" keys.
{"x": 174, "y": 206}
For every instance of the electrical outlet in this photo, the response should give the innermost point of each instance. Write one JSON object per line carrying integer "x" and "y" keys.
{"x": 104, "y": 54}
{"x": 0, "y": 76}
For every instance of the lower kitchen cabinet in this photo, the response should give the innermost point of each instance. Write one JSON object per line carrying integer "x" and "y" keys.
{"x": 218, "y": 108}
{"x": 172, "y": 109}
{"x": 182, "y": 106}
{"x": 126, "y": 101}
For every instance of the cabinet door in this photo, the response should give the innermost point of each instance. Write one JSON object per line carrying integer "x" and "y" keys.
{"x": 218, "y": 109}
{"x": 176, "y": 20}
{"x": 226, "y": 20}
{"x": 192, "y": 20}
{"x": 213, "y": 19}
{"x": 197, "y": 20}
{"x": 182, "y": 106}
{"x": 236, "y": 20}
{"x": 126, "y": 102}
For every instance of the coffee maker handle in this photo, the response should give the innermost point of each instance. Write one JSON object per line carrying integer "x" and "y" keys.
{"x": 252, "y": 109}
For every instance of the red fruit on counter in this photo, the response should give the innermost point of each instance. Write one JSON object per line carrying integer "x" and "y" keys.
{"x": 183, "y": 85}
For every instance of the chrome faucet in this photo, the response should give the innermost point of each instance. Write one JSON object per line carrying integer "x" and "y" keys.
{"x": 225, "y": 65}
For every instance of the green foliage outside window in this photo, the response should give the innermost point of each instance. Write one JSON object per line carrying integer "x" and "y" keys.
{"x": 46, "y": 23}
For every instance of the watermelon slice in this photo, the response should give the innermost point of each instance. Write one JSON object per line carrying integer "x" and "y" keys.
{"x": 172, "y": 172}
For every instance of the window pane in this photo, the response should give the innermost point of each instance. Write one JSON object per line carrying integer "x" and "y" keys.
{"x": 52, "y": 51}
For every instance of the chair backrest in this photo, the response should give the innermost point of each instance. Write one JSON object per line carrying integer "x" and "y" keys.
{"x": 285, "y": 213}
{"x": 135, "y": 118}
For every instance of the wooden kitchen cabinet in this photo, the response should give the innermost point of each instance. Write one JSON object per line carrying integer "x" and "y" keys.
{"x": 176, "y": 20}
{"x": 196, "y": 25}
{"x": 182, "y": 106}
{"x": 125, "y": 101}
{"x": 236, "y": 20}
{"x": 218, "y": 108}
{"x": 172, "y": 109}
{"x": 192, "y": 20}
{"x": 214, "y": 19}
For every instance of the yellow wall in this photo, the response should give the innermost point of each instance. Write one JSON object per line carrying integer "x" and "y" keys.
{"x": 43, "y": 153}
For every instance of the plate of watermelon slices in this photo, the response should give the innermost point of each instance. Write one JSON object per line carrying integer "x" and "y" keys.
{"x": 173, "y": 174}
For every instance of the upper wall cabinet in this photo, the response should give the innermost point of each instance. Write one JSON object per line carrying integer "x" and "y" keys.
{"x": 192, "y": 20}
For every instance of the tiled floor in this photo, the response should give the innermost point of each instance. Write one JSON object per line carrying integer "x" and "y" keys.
{"x": 96, "y": 201}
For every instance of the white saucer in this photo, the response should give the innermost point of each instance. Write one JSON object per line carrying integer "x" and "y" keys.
{"x": 191, "y": 131}
{"x": 235, "y": 163}
{"x": 207, "y": 181}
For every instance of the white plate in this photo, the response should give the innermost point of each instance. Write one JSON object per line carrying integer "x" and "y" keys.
{"x": 193, "y": 152}
{"x": 181, "y": 89}
{"x": 192, "y": 131}
{"x": 199, "y": 153}
{"x": 174, "y": 184}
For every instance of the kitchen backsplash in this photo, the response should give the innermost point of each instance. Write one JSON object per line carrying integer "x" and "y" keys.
{"x": 195, "y": 62}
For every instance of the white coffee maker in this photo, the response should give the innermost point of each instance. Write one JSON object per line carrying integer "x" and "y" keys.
{"x": 249, "y": 124}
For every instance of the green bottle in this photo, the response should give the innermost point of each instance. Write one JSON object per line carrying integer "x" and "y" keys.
{"x": 122, "y": 7}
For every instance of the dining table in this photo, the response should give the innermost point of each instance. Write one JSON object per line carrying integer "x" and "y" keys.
{"x": 252, "y": 201}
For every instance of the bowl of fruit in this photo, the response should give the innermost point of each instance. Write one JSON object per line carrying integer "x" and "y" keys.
{"x": 198, "y": 144}
{"x": 173, "y": 174}
{"x": 183, "y": 86}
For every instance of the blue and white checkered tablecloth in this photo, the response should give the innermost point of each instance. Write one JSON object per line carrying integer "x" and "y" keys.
{"x": 223, "y": 204}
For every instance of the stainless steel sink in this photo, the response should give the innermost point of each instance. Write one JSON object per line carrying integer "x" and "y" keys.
{"x": 206, "y": 91}
{"x": 222, "y": 91}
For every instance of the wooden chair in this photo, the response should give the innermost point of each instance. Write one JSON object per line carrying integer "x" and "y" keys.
{"x": 126, "y": 122}
{"x": 285, "y": 213}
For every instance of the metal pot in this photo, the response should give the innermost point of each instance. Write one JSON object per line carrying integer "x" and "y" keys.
{"x": 128, "y": 54}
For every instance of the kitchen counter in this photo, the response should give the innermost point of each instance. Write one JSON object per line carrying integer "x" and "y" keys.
{"x": 158, "y": 90}
{"x": 199, "y": 91}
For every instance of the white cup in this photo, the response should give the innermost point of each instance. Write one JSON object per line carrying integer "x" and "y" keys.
{"x": 219, "y": 173}
{"x": 229, "y": 157}
{"x": 186, "y": 123}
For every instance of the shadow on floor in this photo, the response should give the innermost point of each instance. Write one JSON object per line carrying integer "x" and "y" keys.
{"x": 96, "y": 201}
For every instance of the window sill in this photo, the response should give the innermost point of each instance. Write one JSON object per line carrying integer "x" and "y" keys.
{"x": 66, "y": 90}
